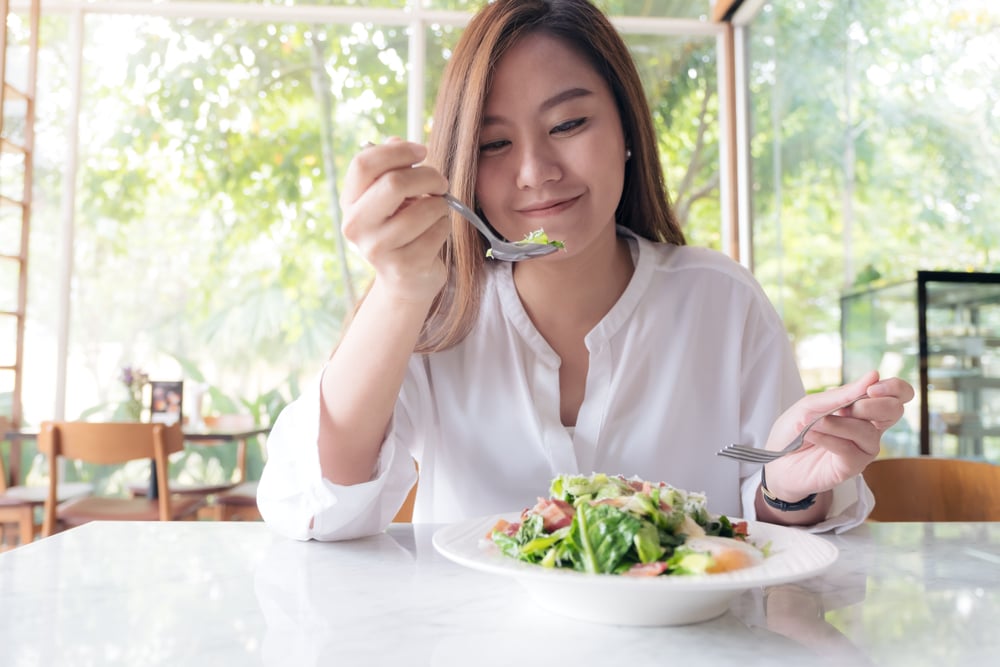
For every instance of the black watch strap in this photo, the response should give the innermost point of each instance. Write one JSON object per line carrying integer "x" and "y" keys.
{"x": 783, "y": 505}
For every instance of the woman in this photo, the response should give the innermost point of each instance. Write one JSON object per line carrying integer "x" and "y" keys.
{"x": 628, "y": 353}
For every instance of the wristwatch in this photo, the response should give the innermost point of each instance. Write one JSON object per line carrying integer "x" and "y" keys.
{"x": 783, "y": 505}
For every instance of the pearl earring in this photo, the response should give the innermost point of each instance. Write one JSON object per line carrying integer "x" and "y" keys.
{"x": 628, "y": 153}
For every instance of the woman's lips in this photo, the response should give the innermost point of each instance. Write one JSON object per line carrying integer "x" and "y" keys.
{"x": 547, "y": 208}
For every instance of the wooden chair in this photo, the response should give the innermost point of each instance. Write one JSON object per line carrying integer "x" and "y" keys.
{"x": 21, "y": 518}
{"x": 237, "y": 500}
{"x": 14, "y": 513}
{"x": 237, "y": 504}
{"x": 926, "y": 488}
{"x": 232, "y": 423}
{"x": 405, "y": 513}
{"x": 112, "y": 443}
{"x": 18, "y": 503}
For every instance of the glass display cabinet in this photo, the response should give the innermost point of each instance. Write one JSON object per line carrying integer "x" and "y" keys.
{"x": 941, "y": 333}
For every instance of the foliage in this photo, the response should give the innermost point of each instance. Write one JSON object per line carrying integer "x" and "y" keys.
{"x": 222, "y": 165}
{"x": 135, "y": 381}
{"x": 679, "y": 75}
{"x": 209, "y": 179}
{"x": 207, "y": 209}
{"x": 875, "y": 131}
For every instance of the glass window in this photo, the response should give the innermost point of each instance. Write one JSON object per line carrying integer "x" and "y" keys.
{"x": 206, "y": 218}
{"x": 876, "y": 135}
{"x": 441, "y": 41}
{"x": 680, "y": 78}
{"x": 693, "y": 9}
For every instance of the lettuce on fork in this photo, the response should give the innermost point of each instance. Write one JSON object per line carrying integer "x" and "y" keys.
{"x": 536, "y": 237}
{"x": 540, "y": 237}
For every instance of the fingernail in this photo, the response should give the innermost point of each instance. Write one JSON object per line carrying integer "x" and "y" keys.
{"x": 878, "y": 387}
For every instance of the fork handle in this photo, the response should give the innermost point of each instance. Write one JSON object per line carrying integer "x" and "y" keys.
{"x": 467, "y": 213}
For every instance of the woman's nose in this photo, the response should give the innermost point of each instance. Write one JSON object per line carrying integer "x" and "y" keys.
{"x": 537, "y": 165}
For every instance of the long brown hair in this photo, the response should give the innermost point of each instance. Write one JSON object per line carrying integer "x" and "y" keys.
{"x": 454, "y": 142}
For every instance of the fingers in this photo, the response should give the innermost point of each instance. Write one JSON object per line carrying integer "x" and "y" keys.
{"x": 883, "y": 405}
{"x": 846, "y": 436}
{"x": 861, "y": 425}
{"x": 852, "y": 390}
{"x": 869, "y": 384}
{"x": 840, "y": 445}
{"x": 370, "y": 163}
{"x": 408, "y": 239}
{"x": 881, "y": 412}
{"x": 816, "y": 404}
{"x": 394, "y": 219}
{"x": 383, "y": 179}
{"x": 392, "y": 189}
{"x": 895, "y": 387}
{"x": 385, "y": 199}
{"x": 396, "y": 209}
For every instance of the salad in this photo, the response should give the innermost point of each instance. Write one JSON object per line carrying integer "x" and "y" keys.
{"x": 605, "y": 524}
{"x": 538, "y": 236}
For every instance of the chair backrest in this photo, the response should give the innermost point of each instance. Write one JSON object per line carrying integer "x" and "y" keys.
{"x": 926, "y": 488}
{"x": 4, "y": 427}
{"x": 109, "y": 443}
{"x": 405, "y": 513}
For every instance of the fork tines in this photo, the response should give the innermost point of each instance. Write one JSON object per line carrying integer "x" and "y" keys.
{"x": 748, "y": 454}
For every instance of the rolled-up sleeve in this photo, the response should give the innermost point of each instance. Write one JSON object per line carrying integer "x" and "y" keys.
{"x": 295, "y": 499}
{"x": 853, "y": 501}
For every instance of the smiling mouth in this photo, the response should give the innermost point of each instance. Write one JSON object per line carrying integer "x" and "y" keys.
{"x": 548, "y": 208}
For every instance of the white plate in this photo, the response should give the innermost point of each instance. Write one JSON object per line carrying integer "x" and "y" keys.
{"x": 665, "y": 600}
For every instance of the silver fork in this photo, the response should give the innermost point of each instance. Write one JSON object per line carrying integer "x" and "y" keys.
{"x": 501, "y": 249}
{"x": 757, "y": 455}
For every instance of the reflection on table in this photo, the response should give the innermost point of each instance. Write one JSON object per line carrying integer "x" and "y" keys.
{"x": 234, "y": 593}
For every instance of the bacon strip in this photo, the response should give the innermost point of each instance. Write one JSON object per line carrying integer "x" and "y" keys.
{"x": 555, "y": 513}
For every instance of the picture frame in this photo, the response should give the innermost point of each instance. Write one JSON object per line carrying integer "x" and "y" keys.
{"x": 165, "y": 402}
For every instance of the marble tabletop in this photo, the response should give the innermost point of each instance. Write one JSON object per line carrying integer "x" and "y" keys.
{"x": 204, "y": 593}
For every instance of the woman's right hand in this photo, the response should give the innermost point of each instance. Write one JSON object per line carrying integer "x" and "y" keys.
{"x": 392, "y": 221}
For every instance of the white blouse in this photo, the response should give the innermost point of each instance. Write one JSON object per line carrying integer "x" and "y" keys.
{"x": 691, "y": 358}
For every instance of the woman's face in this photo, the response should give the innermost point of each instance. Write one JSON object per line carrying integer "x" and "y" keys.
{"x": 552, "y": 151}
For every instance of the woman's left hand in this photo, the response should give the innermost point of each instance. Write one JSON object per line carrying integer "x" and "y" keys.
{"x": 840, "y": 446}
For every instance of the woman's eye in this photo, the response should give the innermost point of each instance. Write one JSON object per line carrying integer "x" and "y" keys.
{"x": 568, "y": 126}
{"x": 492, "y": 146}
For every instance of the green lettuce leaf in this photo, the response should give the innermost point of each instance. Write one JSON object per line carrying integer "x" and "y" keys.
{"x": 647, "y": 543}
{"x": 539, "y": 236}
{"x": 604, "y": 535}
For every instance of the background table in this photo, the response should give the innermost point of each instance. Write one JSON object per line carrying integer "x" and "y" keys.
{"x": 240, "y": 436}
{"x": 205, "y": 593}
{"x": 201, "y": 436}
